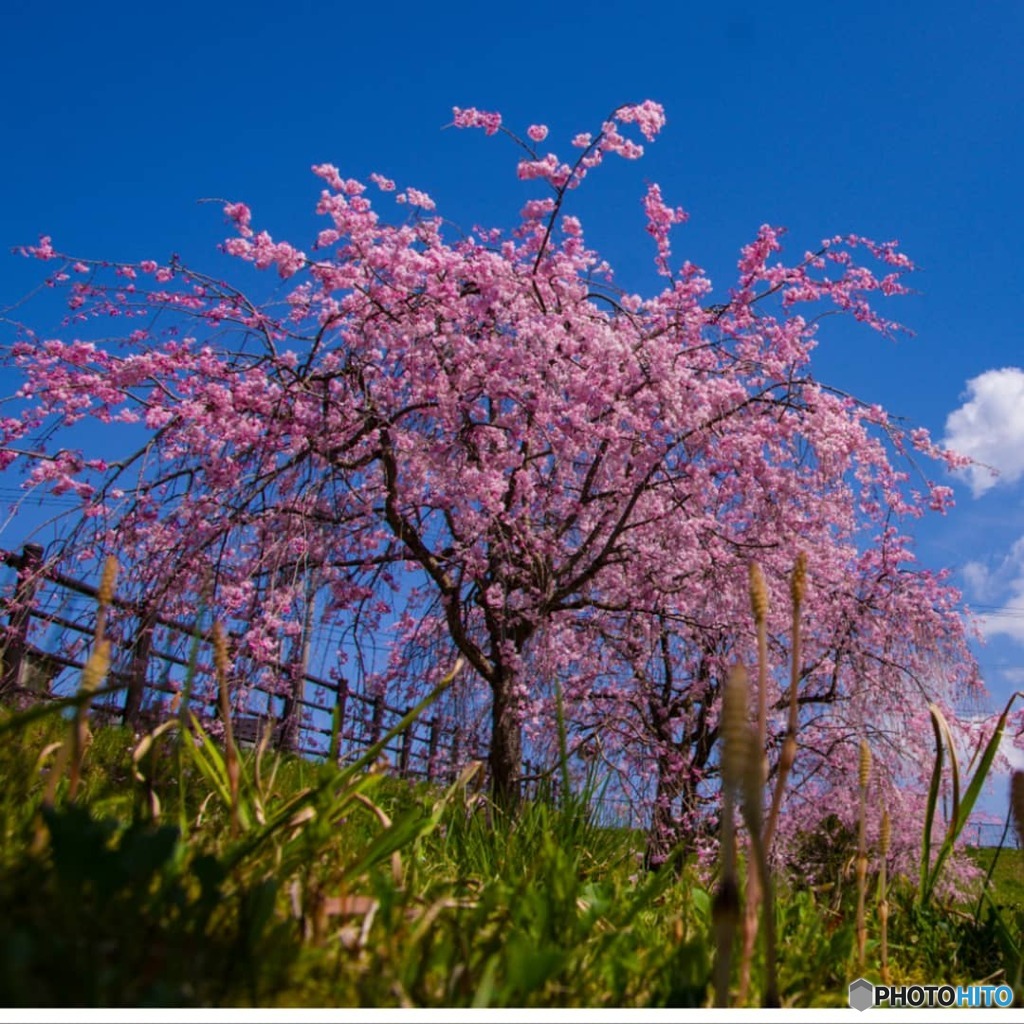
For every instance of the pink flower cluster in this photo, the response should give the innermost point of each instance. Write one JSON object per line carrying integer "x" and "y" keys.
{"x": 660, "y": 219}
{"x": 473, "y": 118}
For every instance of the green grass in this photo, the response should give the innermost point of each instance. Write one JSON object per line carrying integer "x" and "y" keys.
{"x": 143, "y": 896}
{"x": 346, "y": 888}
{"x": 1007, "y": 883}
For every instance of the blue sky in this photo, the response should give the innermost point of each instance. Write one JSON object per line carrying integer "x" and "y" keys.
{"x": 889, "y": 120}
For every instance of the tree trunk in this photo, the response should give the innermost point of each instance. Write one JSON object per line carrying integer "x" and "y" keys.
{"x": 677, "y": 818}
{"x": 664, "y": 832}
{"x": 506, "y": 754}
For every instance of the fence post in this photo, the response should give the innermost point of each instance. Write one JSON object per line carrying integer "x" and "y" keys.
{"x": 377, "y": 721}
{"x": 403, "y": 756}
{"x": 139, "y": 665}
{"x": 456, "y": 754}
{"x": 341, "y": 708}
{"x": 21, "y": 615}
{"x": 432, "y": 751}
{"x": 289, "y": 724}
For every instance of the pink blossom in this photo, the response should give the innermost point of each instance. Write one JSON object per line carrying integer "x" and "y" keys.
{"x": 43, "y": 251}
{"x": 548, "y": 168}
{"x": 473, "y": 118}
{"x": 648, "y": 116}
{"x": 416, "y": 198}
{"x": 330, "y": 174}
{"x": 660, "y": 219}
{"x": 242, "y": 216}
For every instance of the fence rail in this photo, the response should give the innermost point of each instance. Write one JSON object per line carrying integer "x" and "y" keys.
{"x": 159, "y": 660}
{"x": 986, "y": 834}
{"x": 51, "y": 617}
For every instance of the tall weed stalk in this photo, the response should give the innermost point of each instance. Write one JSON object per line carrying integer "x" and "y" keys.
{"x": 962, "y": 805}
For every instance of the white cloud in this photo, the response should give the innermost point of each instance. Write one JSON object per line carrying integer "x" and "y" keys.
{"x": 978, "y": 580}
{"x": 1007, "y": 620}
{"x": 989, "y": 427}
{"x": 1002, "y": 588}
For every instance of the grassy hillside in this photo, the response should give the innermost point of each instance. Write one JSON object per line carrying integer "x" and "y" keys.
{"x": 180, "y": 875}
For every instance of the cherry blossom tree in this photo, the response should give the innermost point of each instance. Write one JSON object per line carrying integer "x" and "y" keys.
{"x": 479, "y": 445}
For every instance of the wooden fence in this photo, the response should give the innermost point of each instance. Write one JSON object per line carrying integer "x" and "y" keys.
{"x": 50, "y": 619}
